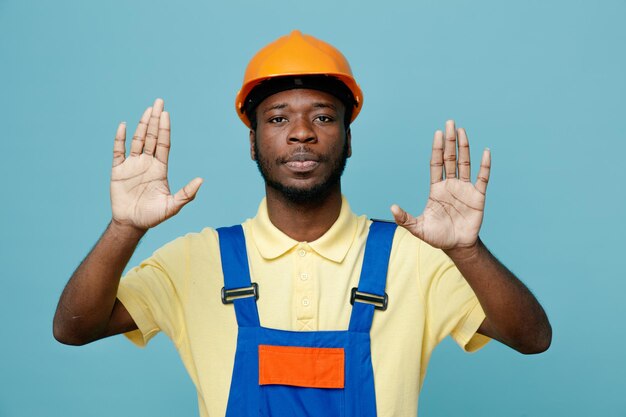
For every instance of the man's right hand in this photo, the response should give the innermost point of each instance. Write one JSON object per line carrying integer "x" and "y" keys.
{"x": 140, "y": 194}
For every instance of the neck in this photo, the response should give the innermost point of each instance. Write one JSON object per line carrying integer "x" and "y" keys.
{"x": 304, "y": 222}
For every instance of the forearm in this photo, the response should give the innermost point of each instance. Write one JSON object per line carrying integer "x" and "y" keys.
{"x": 514, "y": 316}
{"x": 87, "y": 302}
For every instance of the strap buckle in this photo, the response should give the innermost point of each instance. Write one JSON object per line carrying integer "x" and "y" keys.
{"x": 379, "y": 302}
{"x": 228, "y": 296}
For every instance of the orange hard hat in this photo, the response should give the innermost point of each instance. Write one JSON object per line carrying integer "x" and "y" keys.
{"x": 297, "y": 54}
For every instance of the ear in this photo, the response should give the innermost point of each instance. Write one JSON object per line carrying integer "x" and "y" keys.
{"x": 349, "y": 140}
{"x": 252, "y": 139}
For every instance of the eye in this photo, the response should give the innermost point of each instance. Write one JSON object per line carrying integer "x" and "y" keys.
{"x": 278, "y": 119}
{"x": 324, "y": 119}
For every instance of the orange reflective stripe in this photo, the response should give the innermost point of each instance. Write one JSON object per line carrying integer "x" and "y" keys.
{"x": 301, "y": 366}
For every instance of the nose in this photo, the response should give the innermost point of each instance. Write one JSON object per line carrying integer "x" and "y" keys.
{"x": 302, "y": 132}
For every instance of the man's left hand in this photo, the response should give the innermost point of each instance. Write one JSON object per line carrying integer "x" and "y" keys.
{"x": 454, "y": 212}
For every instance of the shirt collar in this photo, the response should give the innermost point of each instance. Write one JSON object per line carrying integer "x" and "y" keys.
{"x": 333, "y": 245}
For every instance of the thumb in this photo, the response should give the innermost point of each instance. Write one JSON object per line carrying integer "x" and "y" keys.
{"x": 186, "y": 194}
{"x": 413, "y": 224}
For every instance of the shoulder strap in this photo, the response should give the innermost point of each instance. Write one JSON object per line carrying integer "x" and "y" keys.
{"x": 373, "y": 276}
{"x": 237, "y": 274}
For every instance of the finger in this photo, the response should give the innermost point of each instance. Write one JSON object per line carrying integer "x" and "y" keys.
{"x": 483, "y": 173}
{"x": 436, "y": 158}
{"x": 153, "y": 127}
{"x": 464, "y": 156}
{"x": 163, "y": 142}
{"x": 449, "y": 151}
{"x": 140, "y": 133}
{"x": 413, "y": 224}
{"x": 185, "y": 195}
{"x": 119, "y": 146}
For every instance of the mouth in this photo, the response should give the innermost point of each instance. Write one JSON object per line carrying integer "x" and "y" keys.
{"x": 302, "y": 162}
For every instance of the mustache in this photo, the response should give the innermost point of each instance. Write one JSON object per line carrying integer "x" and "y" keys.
{"x": 302, "y": 153}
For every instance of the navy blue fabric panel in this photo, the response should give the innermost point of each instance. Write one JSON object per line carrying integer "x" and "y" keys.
{"x": 376, "y": 260}
{"x": 247, "y": 398}
{"x": 237, "y": 273}
{"x": 244, "y": 397}
{"x": 361, "y": 318}
{"x": 247, "y": 312}
{"x": 322, "y": 339}
{"x": 283, "y": 400}
{"x": 360, "y": 391}
{"x": 373, "y": 277}
{"x": 234, "y": 257}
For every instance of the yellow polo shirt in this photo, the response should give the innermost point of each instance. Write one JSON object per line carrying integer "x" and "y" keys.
{"x": 303, "y": 286}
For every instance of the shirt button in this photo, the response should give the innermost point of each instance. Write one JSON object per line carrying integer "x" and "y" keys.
{"x": 305, "y": 302}
{"x": 304, "y": 277}
{"x": 302, "y": 253}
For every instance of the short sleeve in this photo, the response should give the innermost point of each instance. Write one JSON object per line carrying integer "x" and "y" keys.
{"x": 452, "y": 307}
{"x": 150, "y": 293}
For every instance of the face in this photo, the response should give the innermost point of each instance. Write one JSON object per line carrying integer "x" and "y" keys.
{"x": 300, "y": 144}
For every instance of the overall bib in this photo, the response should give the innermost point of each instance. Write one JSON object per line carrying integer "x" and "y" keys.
{"x": 306, "y": 374}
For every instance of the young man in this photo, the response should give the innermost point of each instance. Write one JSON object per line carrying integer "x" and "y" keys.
{"x": 305, "y": 265}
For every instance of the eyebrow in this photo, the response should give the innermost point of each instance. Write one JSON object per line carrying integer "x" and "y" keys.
{"x": 316, "y": 105}
{"x": 277, "y": 106}
{"x": 323, "y": 104}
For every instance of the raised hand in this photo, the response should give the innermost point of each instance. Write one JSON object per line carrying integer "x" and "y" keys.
{"x": 140, "y": 194}
{"x": 455, "y": 208}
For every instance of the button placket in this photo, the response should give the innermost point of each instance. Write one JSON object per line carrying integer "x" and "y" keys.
{"x": 304, "y": 286}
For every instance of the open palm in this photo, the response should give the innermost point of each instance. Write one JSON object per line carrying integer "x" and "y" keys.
{"x": 454, "y": 211}
{"x": 140, "y": 194}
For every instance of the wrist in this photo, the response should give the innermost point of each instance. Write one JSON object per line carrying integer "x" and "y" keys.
{"x": 126, "y": 231}
{"x": 465, "y": 253}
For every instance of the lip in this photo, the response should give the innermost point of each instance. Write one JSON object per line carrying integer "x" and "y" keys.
{"x": 302, "y": 162}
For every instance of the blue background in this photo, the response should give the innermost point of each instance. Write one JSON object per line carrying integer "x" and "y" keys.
{"x": 541, "y": 83}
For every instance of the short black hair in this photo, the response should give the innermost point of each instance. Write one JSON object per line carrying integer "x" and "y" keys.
{"x": 325, "y": 83}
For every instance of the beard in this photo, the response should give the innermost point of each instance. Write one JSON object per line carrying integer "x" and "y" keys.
{"x": 303, "y": 195}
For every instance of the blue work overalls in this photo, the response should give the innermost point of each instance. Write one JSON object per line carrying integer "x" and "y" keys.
{"x": 337, "y": 364}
